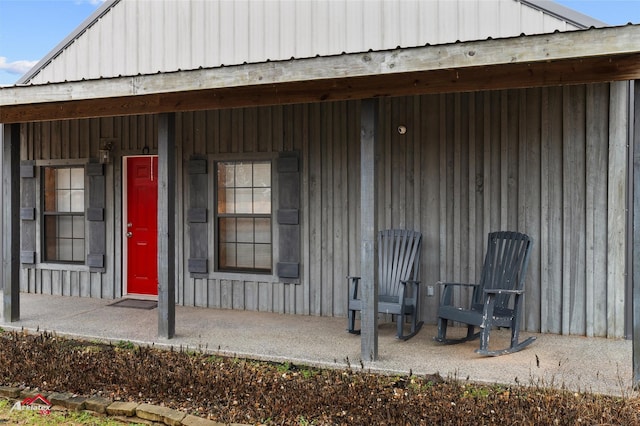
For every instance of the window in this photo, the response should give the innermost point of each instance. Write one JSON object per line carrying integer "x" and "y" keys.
{"x": 63, "y": 222}
{"x": 243, "y": 210}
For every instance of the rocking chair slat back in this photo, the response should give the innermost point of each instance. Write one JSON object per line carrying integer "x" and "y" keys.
{"x": 505, "y": 265}
{"x": 398, "y": 281}
{"x": 398, "y": 259}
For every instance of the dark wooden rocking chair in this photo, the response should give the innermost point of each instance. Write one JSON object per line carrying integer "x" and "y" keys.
{"x": 398, "y": 285}
{"x": 503, "y": 274}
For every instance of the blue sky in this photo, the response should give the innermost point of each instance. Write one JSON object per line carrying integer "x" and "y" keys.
{"x": 29, "y": 29}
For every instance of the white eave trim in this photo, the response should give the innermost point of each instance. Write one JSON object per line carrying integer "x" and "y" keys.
{"x": 596, "y": 42}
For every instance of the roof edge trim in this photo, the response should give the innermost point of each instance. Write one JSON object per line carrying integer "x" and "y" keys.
{"x": 566, "y": 14}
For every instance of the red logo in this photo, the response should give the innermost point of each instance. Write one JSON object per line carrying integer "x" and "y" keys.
{"x": 37, "y": 403}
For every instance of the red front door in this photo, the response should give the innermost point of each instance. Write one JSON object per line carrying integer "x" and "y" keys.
{"x": 142, "y": 225}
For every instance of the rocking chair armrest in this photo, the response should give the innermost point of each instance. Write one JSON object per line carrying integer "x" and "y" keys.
{"x": 447, "y": 291}
{"x": 445, "y": 284}
{"x": 353, "y": 291}
{"x": 403, "y": 289}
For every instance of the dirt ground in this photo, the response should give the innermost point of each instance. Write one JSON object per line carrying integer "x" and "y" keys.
{"x": 234, "y": 390}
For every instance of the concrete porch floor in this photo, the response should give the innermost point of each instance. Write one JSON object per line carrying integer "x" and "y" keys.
{"x": 577, "y": 363}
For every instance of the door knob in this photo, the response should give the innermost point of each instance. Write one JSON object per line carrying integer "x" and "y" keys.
{"x": 129, "y": 234}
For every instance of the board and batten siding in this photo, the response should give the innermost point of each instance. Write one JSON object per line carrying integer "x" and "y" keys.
{"x": 75, "y": 142}
{"x": 550, "y": 162}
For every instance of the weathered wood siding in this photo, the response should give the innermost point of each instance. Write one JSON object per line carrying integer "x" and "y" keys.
{"x": 77, "y": 141}
{"x": 549, "y": 162}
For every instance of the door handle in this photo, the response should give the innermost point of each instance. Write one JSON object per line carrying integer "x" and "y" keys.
{"x": 129, "y": 234}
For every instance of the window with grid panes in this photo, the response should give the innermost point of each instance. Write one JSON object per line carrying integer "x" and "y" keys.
{"x": 243, "y": 216}
{"x": 63, "y": 214}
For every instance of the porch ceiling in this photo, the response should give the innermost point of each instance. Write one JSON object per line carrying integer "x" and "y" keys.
{"x": 577, "y": 57}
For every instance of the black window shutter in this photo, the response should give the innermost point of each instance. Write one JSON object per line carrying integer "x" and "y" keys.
{"x": 288, "y": 215}
{"x": 28, "y": 212}
{"x": 197, "y": 217}
{"x": 95, "y": 216}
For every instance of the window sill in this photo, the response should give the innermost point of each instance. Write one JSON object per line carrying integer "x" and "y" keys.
{"x": 58, "y": 267}
{"x": 243, "y": 276}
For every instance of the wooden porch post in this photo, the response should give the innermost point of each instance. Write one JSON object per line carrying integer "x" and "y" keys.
{"x": 636, "y": 233}
{"x": 11, "y": 222}
{"x": 166, "y": 226}
{"x": 368, "y": 220}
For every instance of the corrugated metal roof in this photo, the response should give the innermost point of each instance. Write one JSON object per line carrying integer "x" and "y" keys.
{"x": 129, "y": 37}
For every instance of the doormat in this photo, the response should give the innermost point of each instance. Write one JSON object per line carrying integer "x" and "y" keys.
{"x": 135, "y": 303}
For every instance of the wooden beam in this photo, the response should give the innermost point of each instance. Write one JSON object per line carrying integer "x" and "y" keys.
{"x": 368, "y": 221}
{"x": 496, "y": 77}
{"x": 166, "y": 226}
{"x": 571, "y": 45}
{"x": 11, "y": 222}
{"x": 636, "y": 234}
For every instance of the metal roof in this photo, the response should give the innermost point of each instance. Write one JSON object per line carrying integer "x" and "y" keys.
{"x": 66, "y": 47}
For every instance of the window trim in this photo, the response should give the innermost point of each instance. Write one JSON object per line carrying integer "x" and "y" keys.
{"x": 255, "y": 272}
{"x": 40, "y": 226}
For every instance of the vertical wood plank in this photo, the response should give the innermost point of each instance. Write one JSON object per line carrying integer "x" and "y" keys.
{"x": 555, "y": 242}
{"x": 327, "y": 210}
{"x": 315, "y": 208}
{"x": 226, "y": 294}
{"x": 238, "y": 295}
{"x": 616, "y": 241}
{"x": 431, "y": 213}
{"x": 505, "y": 108}
{"x": 529, "y": 202}
{"x": 544, "y": 209}
{"x": 340, "y": 198}
{"x": 471, "y": 188}
{"x": 442, "y": 196}
{"x": 385, "y": 166}
{"x": 489, "y": 109}
{"x": 56, "y": 283}
{"x": 214, "y": 293}
{"x": 251, "y": 296}
{"x": 47, "y": 287}
{"x": 302, "y": 136}
{"x": 458, "y": 275}
{"x": 569, "y": 170}
{"x": 596, "y": 206}
{"x": 265, "y": 291}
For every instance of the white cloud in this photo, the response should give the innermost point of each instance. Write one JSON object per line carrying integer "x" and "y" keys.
{"x": 16, "y": 67}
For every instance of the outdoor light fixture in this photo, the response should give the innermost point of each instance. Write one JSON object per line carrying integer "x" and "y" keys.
{"x": 105, "y": 151}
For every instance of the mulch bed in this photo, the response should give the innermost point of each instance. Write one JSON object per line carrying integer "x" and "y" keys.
{"x": 233, "y": 390}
